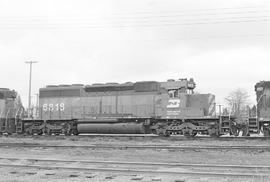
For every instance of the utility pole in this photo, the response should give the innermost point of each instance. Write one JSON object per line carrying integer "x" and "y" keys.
{"x": 30, "y": 82}
{"x": 37, "y": 102}
{"x": 219, "y": 109}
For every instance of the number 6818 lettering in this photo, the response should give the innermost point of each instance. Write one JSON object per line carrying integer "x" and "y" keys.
{"x": 54, "y": 107}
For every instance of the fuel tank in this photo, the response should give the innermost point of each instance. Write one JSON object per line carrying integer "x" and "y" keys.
{"x": 112, "y": 128}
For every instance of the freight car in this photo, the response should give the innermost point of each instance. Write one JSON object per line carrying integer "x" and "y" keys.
{"x": 11, "y": 111}
{"x": 163, "y": 108}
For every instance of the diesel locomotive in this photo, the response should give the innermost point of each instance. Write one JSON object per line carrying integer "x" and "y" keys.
{"x": 11, "y": 111}
{"x": 261, "y": 122}
{"x": 162, "y": 108}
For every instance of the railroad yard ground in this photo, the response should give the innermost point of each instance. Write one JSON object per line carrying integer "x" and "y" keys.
{"x": 30, "y": 158}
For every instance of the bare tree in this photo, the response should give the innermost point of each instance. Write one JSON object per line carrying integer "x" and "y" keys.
{"x": 238, "y": 100}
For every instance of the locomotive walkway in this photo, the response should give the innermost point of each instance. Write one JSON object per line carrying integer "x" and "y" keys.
{"x": 139, "y": 167}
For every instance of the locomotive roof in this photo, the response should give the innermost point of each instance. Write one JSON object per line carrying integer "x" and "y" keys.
{"x": 62, "y": 87}
{"x": 170, "y": 84}
{"x": 7, "y": 93}
{"x": 143, "y": 86}
{"x": 112, "y": 84}
{"x": 264, "y": 84}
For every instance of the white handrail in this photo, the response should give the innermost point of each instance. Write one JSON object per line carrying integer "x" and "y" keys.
{"x": 7, "y": 114}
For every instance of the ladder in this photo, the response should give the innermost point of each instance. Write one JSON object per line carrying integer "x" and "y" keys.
{"x": 19, "y": 127}
{"x": 18, "y": 121}
{"x": 225, "y": 124}
{"x": 253, "y": 125}
{"x": 5, "y": 127}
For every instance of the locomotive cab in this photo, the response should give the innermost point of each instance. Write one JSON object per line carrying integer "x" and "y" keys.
{"x": 181, "y": 102}
{"x": 186, "y": 112}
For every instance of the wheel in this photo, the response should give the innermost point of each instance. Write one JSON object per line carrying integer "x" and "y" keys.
{"x": 66, "y": 132}
{"x": 266, "y": 132}
{"x": 245, "y": 131}
{"x": 44, "y": 131}
{"x": 167, "y": 134}
{"x": 213, "y": 132}
{"x": 162, "y": 132}
{"x": 190, "y": 134}
{"x": 214, "y": 135}
{"x": 40, "y": 132}
{"x": 75, "y": 132}
{"x": 48, "y": 132}
{"x": 29, "y": 132}
{"x": 234, "y": 130}
{"x": 154, "y": 132}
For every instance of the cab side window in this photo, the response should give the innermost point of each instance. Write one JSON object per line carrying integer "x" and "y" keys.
{"x": 173, "y": 93}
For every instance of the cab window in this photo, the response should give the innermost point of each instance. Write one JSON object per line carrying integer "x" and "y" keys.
{"x": 173, "y": 93}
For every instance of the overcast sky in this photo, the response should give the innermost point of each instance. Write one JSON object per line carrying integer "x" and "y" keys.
{"x": 222, "y": 44}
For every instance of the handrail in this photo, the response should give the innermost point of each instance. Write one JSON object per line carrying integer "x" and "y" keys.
{"x": 7, "y": 114}
{"x": 6, "y": 122}
{"x": 16, "y": 116}
{"x": 257, "y": 106}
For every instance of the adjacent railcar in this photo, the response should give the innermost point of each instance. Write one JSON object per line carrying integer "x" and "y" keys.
{"x": 11, "y": 110}
{"x": 141, "y": 107}
{"x": 263, "y": 107}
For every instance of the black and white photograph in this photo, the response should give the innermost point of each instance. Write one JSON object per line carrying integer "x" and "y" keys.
{"x": 135, "y": 90}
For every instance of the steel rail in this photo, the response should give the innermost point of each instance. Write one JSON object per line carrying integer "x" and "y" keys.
{"x": 148, "y": 136}
{"x": 128, "y": 170}
{"x": 141, "y": 147}
{"x": 173, "y": 164}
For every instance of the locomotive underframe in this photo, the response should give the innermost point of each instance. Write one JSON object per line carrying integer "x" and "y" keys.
{"x": 163, "y": 127}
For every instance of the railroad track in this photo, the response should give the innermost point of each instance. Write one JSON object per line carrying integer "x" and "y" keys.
{"x": 173, "y": 137}
{"x": 150, "y": 136}
{"x": 138, "y": 147}
{"x": 177, "y": 169}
